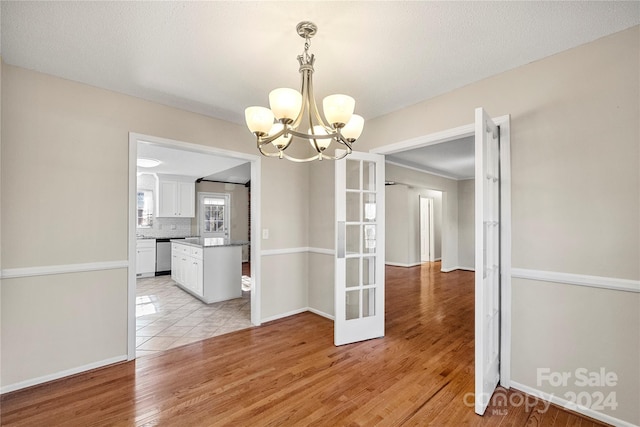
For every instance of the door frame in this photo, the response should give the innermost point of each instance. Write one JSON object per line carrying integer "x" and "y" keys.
{"x": 430, "y": 226}
{"x": 256, "y": 192}
{"x": 505, "y": 213}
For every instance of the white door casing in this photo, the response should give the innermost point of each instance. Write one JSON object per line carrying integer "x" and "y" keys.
{"x": 359, "y": 262}
{"x": 427, "y": 245}
{"x": 487, "y": 259}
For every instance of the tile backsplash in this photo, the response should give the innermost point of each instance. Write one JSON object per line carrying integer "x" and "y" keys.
{"x": 167, "y": 227}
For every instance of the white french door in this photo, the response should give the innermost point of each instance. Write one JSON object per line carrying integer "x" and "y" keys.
{"x": 359, "y": 263}
{"x": 487, "y": 259}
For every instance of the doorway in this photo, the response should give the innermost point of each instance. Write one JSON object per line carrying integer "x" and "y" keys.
{"x": 449, "y": 256}
{"x": 254, "y": 201}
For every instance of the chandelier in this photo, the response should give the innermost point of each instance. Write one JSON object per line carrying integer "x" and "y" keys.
{"x": 291, "y": 112}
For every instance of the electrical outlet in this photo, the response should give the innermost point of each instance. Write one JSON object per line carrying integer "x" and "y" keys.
{"x": 265, "y": 233}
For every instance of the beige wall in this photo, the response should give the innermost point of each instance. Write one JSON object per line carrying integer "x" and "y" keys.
{"x": 466, "y": 227}
{"x": 449, "y": 189}
{"x": 322, "y": 237}
{"x": 74, "y": 138}
{"x": 396, "y": 224}
{"x": 575, "y": 196}
{"x": 47, "y": 319}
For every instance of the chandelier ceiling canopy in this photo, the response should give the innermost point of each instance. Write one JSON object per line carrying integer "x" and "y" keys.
{"x": 294, "y": 115}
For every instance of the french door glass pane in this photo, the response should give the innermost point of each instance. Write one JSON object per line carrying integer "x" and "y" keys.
{"x": 353, "y": 272}
{"x": 352, "y": 305}
{"x": 368, "y": 271}
{"x": 352, "y": 238}
{"x": 369, "y": 237}
{"x": 353, "y": 207}
{"x": 368, "y": 302}
{"x": 353, "y": 174}
{"x": 369, "y": 208}
{"x": 368, "y": 176}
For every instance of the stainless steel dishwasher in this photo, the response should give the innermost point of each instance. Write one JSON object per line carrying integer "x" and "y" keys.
{"x": 163, "y": 257}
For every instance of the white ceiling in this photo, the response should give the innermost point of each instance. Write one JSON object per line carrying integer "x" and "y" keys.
{"x": 194, "y": 164}
{"x": 452, "y": 159}
{"x": 217, "y": 58}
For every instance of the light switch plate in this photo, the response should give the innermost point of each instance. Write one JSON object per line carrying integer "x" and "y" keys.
{"x": 265, "y": 233}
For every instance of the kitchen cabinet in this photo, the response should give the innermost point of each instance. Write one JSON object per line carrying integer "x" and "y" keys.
{"x": 186, "y": 267}
{"x": 145, "y": 257}
{"x": 176, "y": 197}
{"x": 210, "y": 273}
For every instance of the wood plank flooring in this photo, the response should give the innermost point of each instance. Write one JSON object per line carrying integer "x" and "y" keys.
{"x": 289, "y": 373}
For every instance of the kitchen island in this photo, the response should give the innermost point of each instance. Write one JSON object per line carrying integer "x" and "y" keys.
{"x": 208, "y": 268}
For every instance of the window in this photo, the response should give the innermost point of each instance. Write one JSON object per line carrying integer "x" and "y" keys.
{"x": 145, "y": 209}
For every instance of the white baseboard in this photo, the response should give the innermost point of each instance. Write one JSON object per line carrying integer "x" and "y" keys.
{"x": 457, "y": 267}
{"x": 399, "y": 264}
{"x": 283, "y": 315}
{"x": 61, "y": 374}
{"x": 321, "y": 313}
{"x": 571, "y": 406}
{"x": 298, "y": 311}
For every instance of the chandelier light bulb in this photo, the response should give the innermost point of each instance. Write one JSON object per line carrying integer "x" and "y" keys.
{"x": 281, "y": 142}
{"x": 338, "y": 109}
{"x": 322, "y": 143}
{"x": 285, "y": 103}
{"x": 259, "y": 120}
{"x": 353, "y": 129}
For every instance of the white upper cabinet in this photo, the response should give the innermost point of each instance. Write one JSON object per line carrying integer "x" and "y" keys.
{"x": 176, "y": 196}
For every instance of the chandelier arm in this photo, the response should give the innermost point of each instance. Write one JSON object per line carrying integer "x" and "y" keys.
{"x": 311, "y": 136}
{"x": 297, "y": 160}
{"x": 304, "y": 105}
{"x": 264, "y": 140}
{"x": 268, "y": 154}
{"x": 313, "y": 108}
{"x": 311, "y": 103}
{"x": 342, "y": 140}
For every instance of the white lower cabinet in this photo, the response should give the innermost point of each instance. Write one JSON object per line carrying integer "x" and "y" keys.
{"x": 212, "y": 274}
{"x": 145, "y": 257}
{"x": 186, "y": 267}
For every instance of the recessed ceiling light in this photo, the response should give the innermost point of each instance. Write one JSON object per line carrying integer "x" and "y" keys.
{"x": 147, "y": 163}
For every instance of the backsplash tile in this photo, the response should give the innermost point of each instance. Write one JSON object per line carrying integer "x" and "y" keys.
{"x": 163, "y": 228}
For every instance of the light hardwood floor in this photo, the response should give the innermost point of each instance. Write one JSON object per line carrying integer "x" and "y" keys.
{"x": 289, "y": 373}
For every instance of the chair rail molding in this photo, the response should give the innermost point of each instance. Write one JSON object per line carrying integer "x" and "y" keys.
{"x": 611, "y": 283}
{"x": 45, "y": 270}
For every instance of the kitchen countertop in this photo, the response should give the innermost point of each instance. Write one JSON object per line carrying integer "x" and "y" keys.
{"x": 158, "y": 238}
{"x": 209, "y": 242}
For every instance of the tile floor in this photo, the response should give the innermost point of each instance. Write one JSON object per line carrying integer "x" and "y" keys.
{"x": 168, "y": 317}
